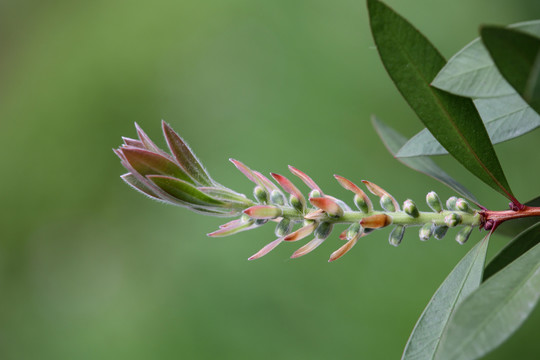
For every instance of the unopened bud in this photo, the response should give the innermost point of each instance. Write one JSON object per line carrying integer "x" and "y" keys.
{"x": 361, "y": 204}
{"x": 451, "y": 203}
{"x": 439, "y": 231}
{"x": 314, "y": 193}
{"x": 323, "y": 230}
{"x": 463, "y": 235}
{"x": 452, "y": 220}
{"x": 425, "y": 232}
{"x": 463, "y": 205}
{"x": 353, "y": 230}
{"x": 396, "y": 235}
{"x": 263, "y": 212}
{"x": 284, "y": 227}
{"x": 276, "y": 197}
{"x": 245, "y": 218}
{"x": 296, "y": 203}
{"x": 260, "y": 194}
{"x": 410, "y": 208}
{"x": 434, "y": 202}
{"x": 387, "y": 203}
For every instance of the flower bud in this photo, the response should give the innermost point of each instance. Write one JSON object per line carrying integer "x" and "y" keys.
{"x": 434, "y": 202}
{"x": 260, "y": 194}
{"x": 463, "y": 205}
{"x": 284, "y": 227}
{"x": 451, "y": 203}
{"x": 245, "y": 218}
{"x": 387, "y": 203}
{"x": 315, "y": 193}
{"x": 361, "y": 204}
{"x": 276, "y": 197}
{"x": 425, "y": 232}
{"x": 323, "y": 230}
{"x": 463, "y": 235}
{"x": 452, "y": 220}
{"x": 353, "y": 230}
{"x": 396, "y": 235}
{"x": 296, "y": 203}
{"x": 410, "y": 208}
{"x": 439, "y": 231}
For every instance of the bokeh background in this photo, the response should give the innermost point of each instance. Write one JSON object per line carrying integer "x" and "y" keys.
{"x": 90, "y": 269}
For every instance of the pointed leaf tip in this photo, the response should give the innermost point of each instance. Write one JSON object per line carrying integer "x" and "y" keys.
{"x": 266, "y": 249}
{"x": 306, "y": 249}
{"x": 185, "y": 156}
{"x": 289, "y": 187}
{"x": 305, "y": 178}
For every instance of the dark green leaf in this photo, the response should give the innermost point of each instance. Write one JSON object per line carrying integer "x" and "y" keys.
{"x": 496, "y": 309}
{"x": 460, "y": 283}
{"x": 505, "y": 118}
{"x": 185, "y": 157}
{"x": 393, "y": 141}
{"x": 517, "y": 57}
{"x": 516, "y": 248}
{"x": 472, "y": 73}
{"x": 412, "y": 62}
{"x": 514, "y": 227}
{"x": 183, "y": 191}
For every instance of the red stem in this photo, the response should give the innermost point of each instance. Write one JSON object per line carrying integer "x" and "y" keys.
{"x": 492, "y": 219}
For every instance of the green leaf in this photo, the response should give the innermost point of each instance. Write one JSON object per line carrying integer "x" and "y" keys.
{"x": 393, "y": 141}
{"x": 512, "y": 251}
{"x": 461, "y": 282}
{"x": 183, "y": 191}
{"x": 505, "y": 118}
{"x": 185, "y": 157}
{"x": 472, "y": 73}
{"x": 515, "y": 226}
{"x": 496, "y": 309}
{"x": 517, "y": 57}
{"x": 412, "y": 62}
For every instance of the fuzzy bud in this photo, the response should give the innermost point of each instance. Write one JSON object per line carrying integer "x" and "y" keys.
{"x": 410, "y": 208}
{"x": 387, "y": 203}
{"x": 353, "y": 230}
{"x": 425, "y": 232}
{"x": 284, "y": 227}
{"x": 296, "y": 203}
{"x": 263, "y": 212}
{"x": 434, "y": 202}
{"x": 451, "y": 203}
{"x": 463, "y": 205}
{"x": 396, "y": 235}
{"x": 323, "y": 230}
{"x": 463, "y": 235}
{"x": 260, "y": 194}
{"x": 452, "y": 220}
{"x": 361, "y": 204}
{"x": 276, "y": 197}
{"x": 315, "y": 193}
{"x": 439, "y": 232}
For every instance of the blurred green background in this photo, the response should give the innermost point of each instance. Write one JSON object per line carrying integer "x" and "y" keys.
{"x": 89, "y": 269}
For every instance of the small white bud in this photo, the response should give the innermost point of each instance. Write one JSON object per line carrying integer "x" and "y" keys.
{"x": 425, "y": 232}
{"x": 396, "y": 235}
{"x": 410, "y": 208}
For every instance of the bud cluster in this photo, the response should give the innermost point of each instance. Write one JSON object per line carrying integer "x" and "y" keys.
{"x": 180, "y": 179}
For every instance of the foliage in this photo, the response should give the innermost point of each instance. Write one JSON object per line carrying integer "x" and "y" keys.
{"x": 487, "y": 93}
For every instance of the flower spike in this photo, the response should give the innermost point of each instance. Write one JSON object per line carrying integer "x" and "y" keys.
{"x": 180, "y": 179}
